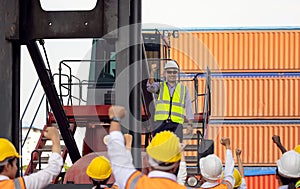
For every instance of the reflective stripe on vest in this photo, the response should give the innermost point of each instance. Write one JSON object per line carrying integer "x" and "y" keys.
{"x": 164, "y": 105}
{"x": 134, "y": 179}
{"x": 16, "y": 183}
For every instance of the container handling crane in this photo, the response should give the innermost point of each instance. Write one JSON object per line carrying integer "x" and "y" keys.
{"x": 115, "y": 22}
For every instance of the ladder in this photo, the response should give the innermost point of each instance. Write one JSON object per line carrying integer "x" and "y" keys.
{"x": 43, "y": 149}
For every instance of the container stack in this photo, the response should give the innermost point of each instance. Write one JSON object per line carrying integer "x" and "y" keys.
{"x": 255, "y": 88}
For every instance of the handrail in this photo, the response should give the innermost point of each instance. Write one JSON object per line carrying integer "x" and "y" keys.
{"x": 38, "y": 108}
{"x": 207, "y": 103}
{"x": 70, "y": 76}
{"x": 40, "y": 164}
{"x": 29, "y": 100}
{"x": 199, "y": 137}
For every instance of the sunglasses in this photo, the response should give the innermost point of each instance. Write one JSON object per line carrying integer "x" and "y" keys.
{"x": 172, "y": 72}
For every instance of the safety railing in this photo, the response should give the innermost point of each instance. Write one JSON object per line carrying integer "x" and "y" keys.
{"x": 103, "y": 79}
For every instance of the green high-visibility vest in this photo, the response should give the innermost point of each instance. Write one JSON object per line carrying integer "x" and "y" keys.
{"x": 167, "y": 106}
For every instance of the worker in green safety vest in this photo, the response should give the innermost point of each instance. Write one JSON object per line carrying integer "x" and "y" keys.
{"x": 172, "y": 101}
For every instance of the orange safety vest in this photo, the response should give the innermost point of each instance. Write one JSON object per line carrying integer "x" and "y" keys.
{"x": 140, "y": 181}
{"x": 17, "y": 183}
{"x": 223, "y": 185}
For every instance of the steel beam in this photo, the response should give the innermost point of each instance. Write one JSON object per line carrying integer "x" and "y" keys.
{"x": 10, "y": 71}
{"x": 37, "y": 23}
{"x": 53, "y": 99}
{"x": 135, "y": 57}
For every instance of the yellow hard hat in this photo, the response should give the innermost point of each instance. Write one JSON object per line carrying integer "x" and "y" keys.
{"x": 7, "y": 149}
{"x": 297, "y": 148}
{"x": 238, "y": 178}
{"x": 164, "y": 147}
{"x": 99, "y": 168}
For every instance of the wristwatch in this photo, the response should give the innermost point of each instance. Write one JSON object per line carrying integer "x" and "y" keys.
{"x": 115, "y": 119}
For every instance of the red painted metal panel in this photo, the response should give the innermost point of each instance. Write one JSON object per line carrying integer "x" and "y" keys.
{"x": 260, "y": 182}
{"x": 256, "y": 51}
{"x": 255, "y": 140}
{"x": 77, "y": 172}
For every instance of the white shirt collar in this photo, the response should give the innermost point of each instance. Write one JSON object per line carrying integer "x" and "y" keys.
{"x": 209, "y": 184}
{"x": 162, "y": 174}
{"x": 170, "y": 85}
{"x": 3, "y": 177}
{"x": 283, "y": 187}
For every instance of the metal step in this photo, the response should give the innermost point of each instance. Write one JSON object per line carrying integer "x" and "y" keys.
{"x": 195, "y": 126}
{"x": 48, "y": 148}
{"x": 45, "y": 139}
{"x": 190, "y": 137}
{"x": 191, "y": 159}
{"x": 192, "y": 170}
{"x": 43, "y": 160}
{"x": 190, "y": 147}
{"x": 56, "y": 125}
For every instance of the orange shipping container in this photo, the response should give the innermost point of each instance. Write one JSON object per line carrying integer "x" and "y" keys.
{"x": 255, "y": 140}
{"x": 232, "y": 51}
{"x": 251, "y": 98}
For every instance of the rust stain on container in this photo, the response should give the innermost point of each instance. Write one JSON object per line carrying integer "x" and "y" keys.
{"x": 230, "y": 51}
{"x": 255, "y": 98}
{"x": 255, "y": 140}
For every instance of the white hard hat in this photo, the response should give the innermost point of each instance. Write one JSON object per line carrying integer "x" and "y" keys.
{"x": 171, "y": 64}
{"x": 289, "y": 164}
{"x": 211, "y": 167}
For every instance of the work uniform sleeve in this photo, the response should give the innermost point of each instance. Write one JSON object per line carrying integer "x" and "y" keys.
{"x": 153, "y": 88}
{"x": 229, "y": 166}
{"x": 182, "y": 174}
{"x": 120, "y": 161}
{"x": 44, "y": 177}
{"x": 243, "y": 185}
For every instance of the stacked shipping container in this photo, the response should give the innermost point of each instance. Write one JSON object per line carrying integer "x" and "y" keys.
{"x": 255, "y": 79}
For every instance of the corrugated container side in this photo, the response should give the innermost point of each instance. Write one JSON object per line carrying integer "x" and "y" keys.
{"x": 231, "y": 51}
{"x": 261, "y": 182}
{"x": 255, "y": 141}
{"x": 251, "y": 98}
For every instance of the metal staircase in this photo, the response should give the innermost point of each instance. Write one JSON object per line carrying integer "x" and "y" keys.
{"x": 43, "y": 149}
{"x": 197, "y": 144}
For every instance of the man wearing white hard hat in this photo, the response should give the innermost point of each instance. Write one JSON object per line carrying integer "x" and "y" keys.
{"x": 288, "y": 170}
{"x": 172, "y": 101}
{"x": 211, "y": 169}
